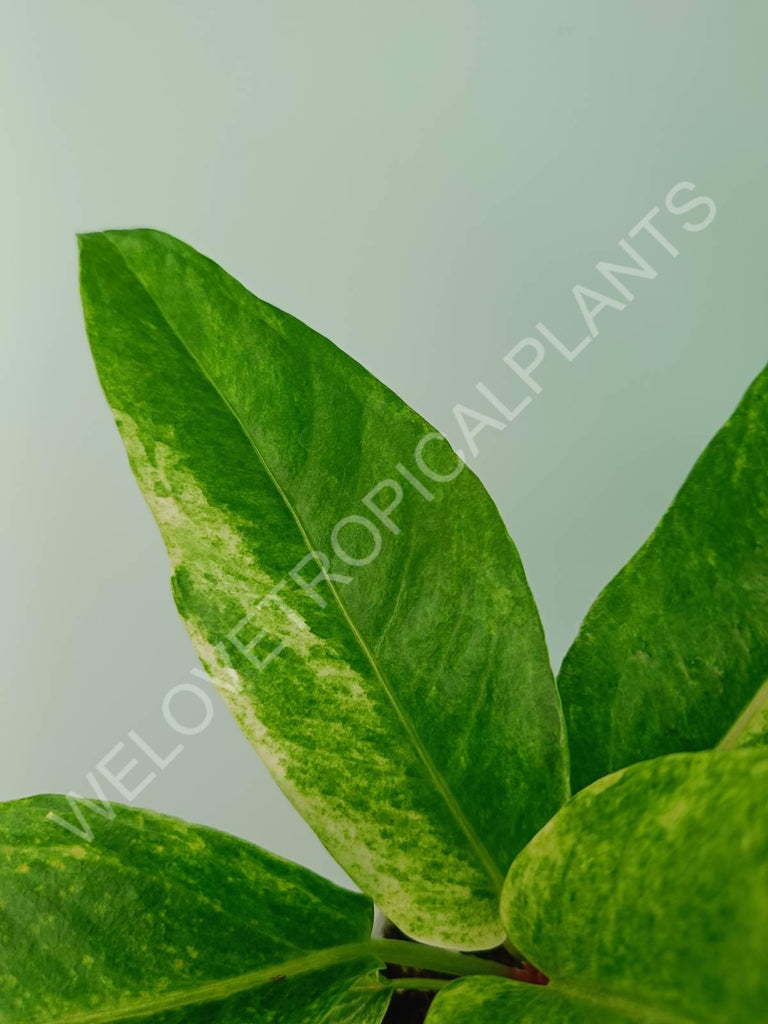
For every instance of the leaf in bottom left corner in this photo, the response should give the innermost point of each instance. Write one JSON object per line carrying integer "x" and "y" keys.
{"x": 165, "y": 922}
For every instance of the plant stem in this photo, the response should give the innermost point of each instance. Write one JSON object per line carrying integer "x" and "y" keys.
{"x": 429, "y": 958}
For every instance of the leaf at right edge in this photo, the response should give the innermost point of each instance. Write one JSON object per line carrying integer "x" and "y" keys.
{"x": 167, "y": 922}
{"x": 675, "y": 648}
{"x": 647, "y": 895}
{"x": 412, "y": 719}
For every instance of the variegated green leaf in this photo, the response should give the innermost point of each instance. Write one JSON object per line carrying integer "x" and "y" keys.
{"x": 676, "y": 647}
{"x": 169, "y": 923}
{"x": 391, "y": 670}
{"x": 645, "y": 899}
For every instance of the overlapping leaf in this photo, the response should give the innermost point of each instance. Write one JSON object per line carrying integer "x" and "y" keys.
{"x": 645, "y": 901}
{"x": 168, "y": 923}
{"x": 410, "y": 714}
{"x": 676, "y": 647}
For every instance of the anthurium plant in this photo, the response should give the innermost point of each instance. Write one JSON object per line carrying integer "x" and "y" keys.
{"x": 586, "y": 850}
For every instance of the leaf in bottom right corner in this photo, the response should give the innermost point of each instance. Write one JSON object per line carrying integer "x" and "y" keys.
{"x": 644, "y": 900}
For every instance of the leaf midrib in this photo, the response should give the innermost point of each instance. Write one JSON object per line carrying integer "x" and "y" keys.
{"x": 489, "y": 865}
{"x": 758, "y": 703}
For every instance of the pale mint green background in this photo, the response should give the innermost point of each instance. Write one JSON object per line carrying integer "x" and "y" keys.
{"x": 421, "y": 181}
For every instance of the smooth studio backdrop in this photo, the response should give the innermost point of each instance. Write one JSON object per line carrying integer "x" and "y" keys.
{"x": 421, "y": 182}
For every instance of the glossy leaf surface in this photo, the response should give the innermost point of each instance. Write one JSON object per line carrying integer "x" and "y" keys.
{"x": 646, "y": 898}
{"x": 676, "y": 646}
{"x": 165, "y": 922}
{"x": 385, "y": 672}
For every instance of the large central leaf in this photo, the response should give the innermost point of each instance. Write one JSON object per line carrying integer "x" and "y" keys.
{"x": 168, "y": 923}
{"x": 410, "y": 714}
